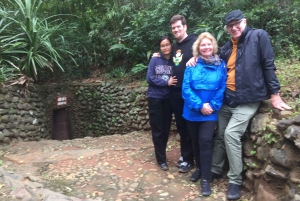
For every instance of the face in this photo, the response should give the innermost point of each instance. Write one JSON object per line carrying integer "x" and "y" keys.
{"x": 165, "y": 47}
{"x": 236, "y": 27}
{"x": 179, "y": 30}
{"x": 206, "y": 48}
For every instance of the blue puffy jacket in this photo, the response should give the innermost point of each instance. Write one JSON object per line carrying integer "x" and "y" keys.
{"x": 204, "y": 83}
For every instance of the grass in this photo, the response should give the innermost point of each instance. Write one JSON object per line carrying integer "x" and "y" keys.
{"x": 289, "y": 77}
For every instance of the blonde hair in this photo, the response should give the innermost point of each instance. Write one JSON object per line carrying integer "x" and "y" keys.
{"x": 196, "y": 44}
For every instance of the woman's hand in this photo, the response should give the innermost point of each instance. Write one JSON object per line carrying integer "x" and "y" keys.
{"x": 206, "y": 109}
{"x": 172, "y": 81}
{"x": 192, "y": 61}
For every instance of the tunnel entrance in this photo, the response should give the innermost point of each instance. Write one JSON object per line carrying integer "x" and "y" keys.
{"x": 61, "y": 129}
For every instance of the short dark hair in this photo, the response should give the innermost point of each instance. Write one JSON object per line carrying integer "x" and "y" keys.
{"x": 176, "y": 18}
{"x": 163, "y": 38}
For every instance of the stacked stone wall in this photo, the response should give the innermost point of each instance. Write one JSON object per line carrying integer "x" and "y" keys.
{"x": 271, "y": 144}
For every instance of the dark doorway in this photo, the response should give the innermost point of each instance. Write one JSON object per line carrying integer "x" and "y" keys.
{"x": 61, "y": 125}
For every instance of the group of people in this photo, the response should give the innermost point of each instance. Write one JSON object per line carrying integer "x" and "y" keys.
{"x": 206, "y": 90}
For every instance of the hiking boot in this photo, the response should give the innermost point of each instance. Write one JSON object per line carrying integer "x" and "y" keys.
{"x": 205, "y": 187}
{"x": 180, "y": 160}
{"x": 234, "y": 192}
{"x": 185, "y": 167}
{"x": 196, "y": 175}
{"x": 214, "y": 176}
{"x": 163, "y": 166}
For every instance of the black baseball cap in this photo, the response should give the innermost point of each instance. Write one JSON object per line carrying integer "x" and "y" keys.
{"x": 234, "y": 15}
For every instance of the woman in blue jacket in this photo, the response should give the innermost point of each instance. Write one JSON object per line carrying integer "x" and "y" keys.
{"x": 202, "y": 91}
{"x": 159, "y": 78}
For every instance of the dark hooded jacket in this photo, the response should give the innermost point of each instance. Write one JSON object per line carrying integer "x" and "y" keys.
{"x": 158, "y": 75}
{"x": 255, "y": 76}
{"x": 182, "y": 52}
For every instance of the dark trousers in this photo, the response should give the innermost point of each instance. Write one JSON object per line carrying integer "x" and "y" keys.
{"x": 202, "y": 139}
{"x": 182, "y": 128}
{"x": 160, "y": 116}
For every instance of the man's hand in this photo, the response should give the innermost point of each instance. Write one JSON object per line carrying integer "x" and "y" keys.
{"x": 206, "y": 109}
{"x": 192, "y": 61}
{"x": 172, "y": 81}
{"x": 278, "y": 103}
{"x": 155, "y": 54}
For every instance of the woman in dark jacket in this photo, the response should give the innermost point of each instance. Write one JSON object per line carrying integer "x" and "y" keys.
{"x": 159, "y": 78}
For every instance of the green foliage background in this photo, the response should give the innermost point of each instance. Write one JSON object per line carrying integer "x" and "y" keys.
{"x": 118, "y": 36}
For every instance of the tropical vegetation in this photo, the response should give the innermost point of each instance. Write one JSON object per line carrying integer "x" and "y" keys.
{"x": 70, "y": 39}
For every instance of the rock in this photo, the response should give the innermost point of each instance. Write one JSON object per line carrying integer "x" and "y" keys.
{"x": 247, "y": 184}
{"x": 296, "y": 120}
{"x": 252, "y": 162}
{"x": 52, "y": 196}
{"x": 274, "y": 172}
{"x": 2, "y": 97}
{"x": 249, "y": 175}
{"x": 264, "y": 195}
{"x": 284, "y": 124}
{"x": 248, "y": 148}
{"x": 265, "y": 106}
{"x": 23, "y": 193}
{"x": 286, "y": 114}
{"x": 259, "y": 122}
{"x": 5, "y": 119}
{"x": 295, "y": 175}
{"x": 292, "y": 193}
{"x": 293, "y": 133}
{"x": 259, "y": 141}
{"x": 262, "y": 153}
{"x": 279, "y": 156}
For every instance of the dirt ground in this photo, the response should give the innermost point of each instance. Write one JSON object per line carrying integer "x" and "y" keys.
{"x": 117, "y": 167}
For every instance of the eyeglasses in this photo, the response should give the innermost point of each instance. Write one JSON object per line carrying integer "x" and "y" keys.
{"x": 235, "y": 24}
{"x": 166, "y": 45}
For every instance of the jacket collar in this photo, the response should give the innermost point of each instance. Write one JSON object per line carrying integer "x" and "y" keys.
{"x": 244, "y": 34}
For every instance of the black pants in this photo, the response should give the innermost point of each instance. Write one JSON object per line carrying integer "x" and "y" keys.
{"x": 182, "y": 128}
{"x": 160, "y": 116}
{"x": 202, "y": 134}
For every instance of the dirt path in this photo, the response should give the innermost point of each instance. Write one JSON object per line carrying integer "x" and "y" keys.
{"x": 118, "y": 167}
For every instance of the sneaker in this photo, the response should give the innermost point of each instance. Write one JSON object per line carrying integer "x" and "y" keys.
{"x": 196, "y": 175}
{"x": 205, "y": 188}
{"x": 180, "y": 160}
{"x": 163, "y": 166}
{"x": 234, "y": 191}
{"x": 214, "y": 176}
{"x": 185, "y": 167}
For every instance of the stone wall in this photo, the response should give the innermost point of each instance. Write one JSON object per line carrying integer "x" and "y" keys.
{"x": 95, "y": 110}
{"x": 21, "y": 118}
{"x": 271, "y": 145}
{"x": 271, "y": 150}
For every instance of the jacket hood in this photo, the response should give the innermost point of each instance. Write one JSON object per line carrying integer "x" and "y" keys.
{"x": 188, "y": 38}
{"x": 163, "y": 56}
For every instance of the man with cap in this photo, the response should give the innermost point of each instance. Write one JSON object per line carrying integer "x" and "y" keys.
{"x": 251, "y": 78}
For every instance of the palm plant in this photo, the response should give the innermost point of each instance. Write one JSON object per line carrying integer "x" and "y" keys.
{"x": 29, "y": 41}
